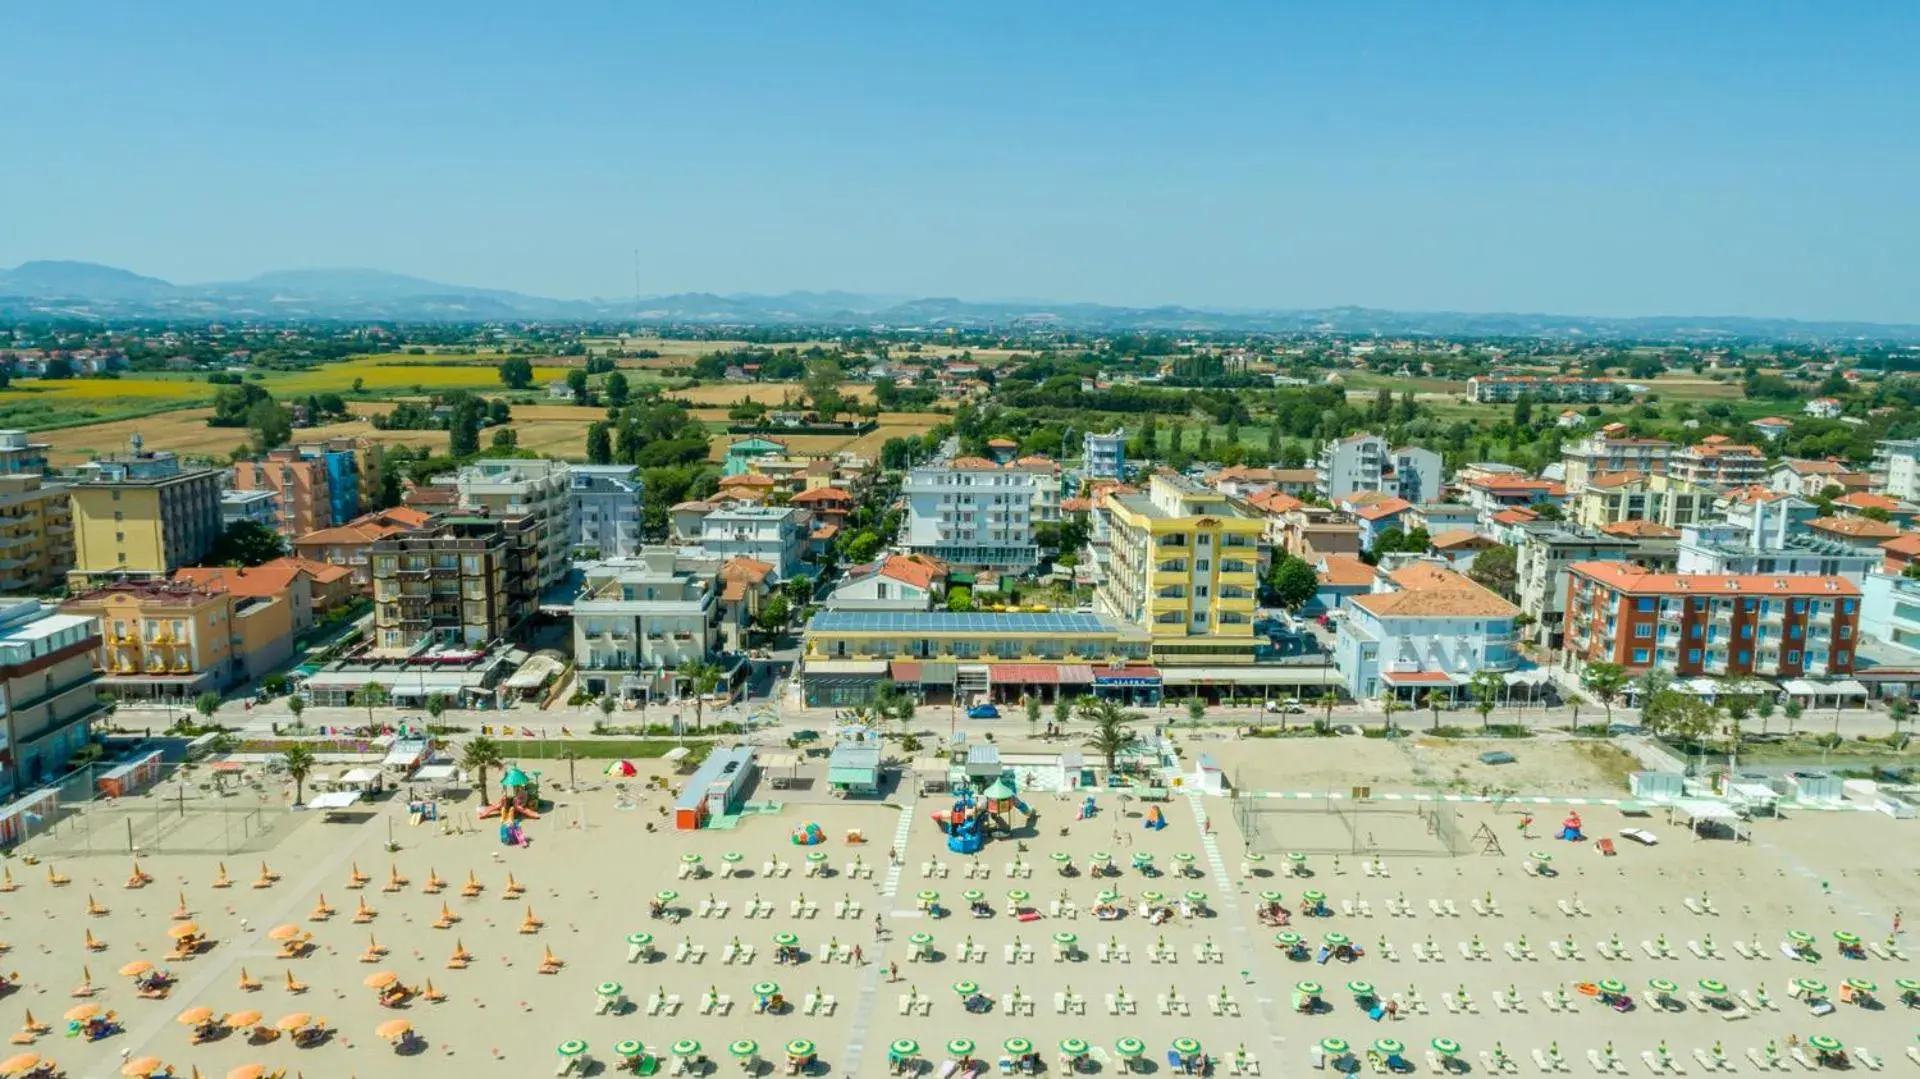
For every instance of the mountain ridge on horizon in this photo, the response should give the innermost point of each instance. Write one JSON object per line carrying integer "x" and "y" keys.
{"x": 88, "y": 290}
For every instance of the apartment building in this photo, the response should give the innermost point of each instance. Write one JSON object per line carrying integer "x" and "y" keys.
{"x": 1183, "y": 565}
{"x": 635, "y": 620}
{"x": 1856, "y": 533}
{"x": 1541, "y": 557}
{"x": 1805, "y": 478}
{"x": 1719, "y": 625}
{"x": 536, "y": 489}
{"x": 36, "y": 534}
{"x": 1104, "y": 455}
{"x": 604, "y": 510}
{"x": 775, "y": 535}
{"x": 141, "y": 515}
{"x": 1717, "y": 461}
{"x": 1424, "y": 630}
{"x": 972, "y": 512}
{"x": 301, "y": 488}
{"x": 1726, "y": 548}
{"x": 254, "y": 507}
{"x": 174, "y": 640}
{"x": 1611, "y": 449}
{"x": 1491, "y": 494}
{"x": 1896, "y": 468}
{"x": 352, "y": 466}
{"x": 48, "y": 682}
{"x": 465, "y": 580}
{"x": 350, "y": 545}
{"x": 1046, "y": 487}
{"x": 19, "y": 454}
{"x": 1611, "y": 497}
{"x": 1366, "y": 462}
{"x": 1494, "y": 389}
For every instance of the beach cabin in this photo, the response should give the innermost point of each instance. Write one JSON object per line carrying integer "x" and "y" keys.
{"x": 982, "y": 765}
{"x": 715, "y": 789}
{"x": 130, "y": 778}
{"x": 406, "y": 754}
{"x": 1208, "y": 776}
{"x": 854, "y": 768}
{"x": 21, "y": 816}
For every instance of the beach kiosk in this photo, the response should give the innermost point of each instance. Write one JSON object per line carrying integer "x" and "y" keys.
{"x": 854, "y": 768}
{"x": 131, "y": 777}
{"x": 19, "y": 817}
{"x": 719, "y": 785}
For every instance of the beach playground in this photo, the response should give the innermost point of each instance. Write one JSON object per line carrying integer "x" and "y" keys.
{"x": 827, "y": 936}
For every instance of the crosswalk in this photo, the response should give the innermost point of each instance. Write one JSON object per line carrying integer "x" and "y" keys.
{"x": 1229, "y": 911}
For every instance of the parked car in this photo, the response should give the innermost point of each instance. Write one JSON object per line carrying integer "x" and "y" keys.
{"x": 983, "y": 711}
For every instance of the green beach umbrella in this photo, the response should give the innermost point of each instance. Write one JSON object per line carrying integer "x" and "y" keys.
{"x": 640, "y": 939}
{"x": 1109, "y": 897}
{"x": 745, "y": 1047}
{"x": 686, "y": 1047}
{"x": 765, "y": 989}
{"x": 1061, "y": 856}
{"x": 1809, "y": 985}
{"x": 1065, "y": 938}
{"x": 1909, "y": 984}
{"x": 799, "y": 1047}
{"x": 1196, "y": 897}
{"x": 690, "y": 858}
{"x": 785, "y": 940}
{"x": 905, "y": 1047}
{"x": 1390, "y": 1046}
{"x": 1861, "y": 985}
{"x": 1336, "y": 939}
{"x": 1153, "y": 897}
{"x": 1845, "y": 937}
{"x": 1017, "y": 1046}
{"x": 1184, "y": 857}
{"x": 1658, "y": 985}
{"x": 1131, "y": 1047}
{"x": 1314, "y": 897}
{"x": 1141, "y": 857}
{"x": 1614, "y": 985}
{"x": 1799, "y": 936}
{"x": 1253, "y": 856}
{"x": 1270, "y": 897}
{"x": 1445, "y": 1046}
{"x": 628, "y": 1048}
{"x": 1712, "y": 986}
{"x": 1102, "y": 857}
{"x": 1019, "y": 895}
{"x": 572, "y": 1047}
{"x": 927, "y": 895}
{"x": 733, "y": 857}
{"x": 1335, "y": 1046}
{"x": 966, "y": 989}
{"x": 921, "y": 938}
{"x": 1289, "y": 939}
{"x": 1826, "y": 1043}
{"x": 973, "y": 895}
{"x": 1296, "y": 858}
{"x": 960, "y": 1047}
{"x": 607, "y": 989}
{"x": 1073, "y": 1047}
{"x": 1541, "y": 856}
{"x": 1311, "y": 989}
{"x": 666, "y": 896}
{"x": 1360, "y": 989}
{"x": 816, "y": 856}
{"x": 1186, "y": 1047}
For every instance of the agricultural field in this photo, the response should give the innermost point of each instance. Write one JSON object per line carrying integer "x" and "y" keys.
{"x": 892, "y": 425}
{"x": 771, "y": 394}
{"x": 185, "y": 431}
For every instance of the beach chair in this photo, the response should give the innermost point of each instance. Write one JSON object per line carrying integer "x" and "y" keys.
{"x": 1913, "y": 1053}
{"x": 1865, "y": 1056}
{"x": 1434, "y": 906}
{"x": 1698, "y": 952}
{"x": 1801, "y": 1058}
{"x": 1699, "y": 1003}
{"x": 1652, "y": 952}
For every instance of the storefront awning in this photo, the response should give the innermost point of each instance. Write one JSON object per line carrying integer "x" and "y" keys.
{"x": 1252, "y": 676}
{"x": 1127, "y": 676}
{"x": 1802, "y": 687}
{"x": 1040, "y": 674}
{"x": 1417, "y": 678}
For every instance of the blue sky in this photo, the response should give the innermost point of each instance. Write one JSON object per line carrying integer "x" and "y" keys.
{"x": 1621, "y": 158}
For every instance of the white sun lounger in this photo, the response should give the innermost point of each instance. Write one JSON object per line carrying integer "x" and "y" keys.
{"x": 1801, "y": 1058}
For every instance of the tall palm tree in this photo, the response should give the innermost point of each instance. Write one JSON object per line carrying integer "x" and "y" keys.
{"x": 1328, "y": 698}
{"x": 1111, "y": 735}
{"x": 370, "y": 696}
{"x": 1486, "y": 688}
{"x": 299, "y": 762}
{"x": 1389, "y": 703}
{"x": 479, "y": 757}
{"x": 704, "y": 678}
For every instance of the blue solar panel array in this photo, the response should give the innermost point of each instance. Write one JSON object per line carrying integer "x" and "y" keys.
{"x": 955, "y": 622}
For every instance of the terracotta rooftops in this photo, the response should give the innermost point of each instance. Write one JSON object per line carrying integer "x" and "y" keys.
{"x": 1630, "y": 578}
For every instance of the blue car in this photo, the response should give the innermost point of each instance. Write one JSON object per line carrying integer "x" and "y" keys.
{"x": 983, "y": 711}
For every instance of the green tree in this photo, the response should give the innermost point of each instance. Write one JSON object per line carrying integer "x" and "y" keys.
{"x": 1389, "y": 704}
{"x": 1899, "y": 711}
{"x": 481, "y": 756}
{"x": 504, "y": 440}
{"x": 463, "y": 424}
{"x": 1328, "y": 698}
{"x": 298, "y": 761}
{"x": 517, "y": 373}
{"x": 607, "y": 705}
{"x": 436, "y": 706}
{"x": 1605, "y": 681}
{"x": 617, "y": 389}
{"x": 1497, "y": 568}
{"x": 207, "y": 704}
{"x": 270, "y": 424}
{"x": 822, "y": 387}
{"x": 1764, "y": 708}
{"x": 296, "y": 704}
{"x": 960, "y": 598}
{"x": 704, "y": 677}
{"x": 600, "y": 444}
{"x": 1196, "y": 711}
{"x": 1432, "y": 701}
{"x": 370, "y": 696}
{"x": 1292, "y": 581}
{"x": 1679, "y": 717}
{"x": 1111, "y": 734}
{"x": 1793, "y": 711}
{"x": 1062, "y": 711}
{"x": 1486, "y": 687}
{"x": 245, "y": 543}
{"x": 1033, "y": 715}
{"x": 577, "y": 382}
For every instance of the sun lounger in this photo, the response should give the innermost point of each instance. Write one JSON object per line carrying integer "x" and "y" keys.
{"x": 1388, "y": 951}
{"x": 1433, "y": 1063}
{"x": 1707, "y": 1063}
{"x": 1801, "y": 1058}
{"x": 1598, "y": 1062}
{"x": 1865, "y": 1056}
{"x": 1913, "y": 1053}
{"x": 1434, "y": 906}
{"x": 1452, "y": 1003}
{"x": 1166, "y": 1006}
{"x": 1466, "y": 950}
{"x": 1566, "y": 908}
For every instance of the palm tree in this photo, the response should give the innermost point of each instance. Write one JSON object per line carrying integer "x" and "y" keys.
{"x": 1111, "y": 736}
{"x": 1486, "y": 688}
{"x": 1433, "y": 705}
{"x": 1328, "y": 698}
{"x": 299, "y": 761}
{"x": 1389, "y": 703}
{"x": 703, "y": 677}
{"x": 370, "y": 696}
{"x": 482, "y": 755}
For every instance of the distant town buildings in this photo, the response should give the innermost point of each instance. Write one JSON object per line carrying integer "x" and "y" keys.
{"x": 1494, "y": 389}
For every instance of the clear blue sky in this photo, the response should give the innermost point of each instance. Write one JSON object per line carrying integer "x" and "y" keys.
{"x": 1611, "y": 158}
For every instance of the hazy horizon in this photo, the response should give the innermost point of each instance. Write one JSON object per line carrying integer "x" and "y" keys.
{"x": 1711, "y": 160}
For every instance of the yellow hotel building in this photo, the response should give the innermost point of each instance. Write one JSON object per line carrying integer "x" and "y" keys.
{"x": 141, "y": 515}
{"x": 1184, "y": 567}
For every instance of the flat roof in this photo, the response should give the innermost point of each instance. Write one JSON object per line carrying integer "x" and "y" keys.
{"x": 956, "y": 622}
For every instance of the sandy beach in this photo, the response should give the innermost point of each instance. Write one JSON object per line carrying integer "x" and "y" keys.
{"x": 593, "y": 865}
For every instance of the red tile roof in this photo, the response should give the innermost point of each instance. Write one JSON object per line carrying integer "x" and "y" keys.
{"x": 1460, "y": 538}
{"x": 1515, "y": 516}
{"x": 1906, "y": 543}
{"x": 1344, "y": 571}
{"x": 821, "y": 494}
{"x": 1640, "y": 530}
{"x": 917, "y": 570}
{"x": 1629, "y": 578}
{"x": 270, "y": 579}
{"x": 1384, "y": 508}
{"x": 1855, "y": 527}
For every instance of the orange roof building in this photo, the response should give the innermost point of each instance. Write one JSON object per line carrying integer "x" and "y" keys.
{"x": 1425, "y": 629}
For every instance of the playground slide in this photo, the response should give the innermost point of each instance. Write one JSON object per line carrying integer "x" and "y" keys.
{"x": 494, "y": 811}
{"x": 414, "y": 818}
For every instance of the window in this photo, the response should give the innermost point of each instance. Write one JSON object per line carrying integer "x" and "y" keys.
{"x": 1846, "y": 631}
{"x": 1643, "y": 630}
{"x": 1746, "y": 657}
{"x": 1694, "y": 631}
{"x": 1693, "y": 655}
{"x": 1747, "y": 605}
{"x": 1203, "y": 565}
{"x": 1841, "y": 657}
{"x": 1206, "y": 539}
{"x": 1746, "y": 632}
{"x": 1846, "y": 606}
{"x": 1644, "y": 604}
{"x": 1799, "y": 606}
{"x": 1793, "y": 657}
{"x": 1199, "y": 618}
{"x": 1639, "y": 655}
{"x": 1200, "y": 591}
{"x": 1794, "y": 631}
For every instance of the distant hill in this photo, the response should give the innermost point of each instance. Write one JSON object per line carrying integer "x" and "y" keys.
{"x": 89, "y": 290}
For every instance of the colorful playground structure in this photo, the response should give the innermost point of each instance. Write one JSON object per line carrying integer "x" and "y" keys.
{"x": 519, "y": 800}
{"x": 965, "y": 824}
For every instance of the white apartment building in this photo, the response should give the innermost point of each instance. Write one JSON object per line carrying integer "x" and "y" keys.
{"x": 637, "y": 619}
{"x": 1610, "y": 449}
{"x": 534, "y": 487}
{"x": 1105, "y": 455}
{"x": 972, "y": 512}
{"x": 1046, "y": 487}
{"x": 604, "y": 510}
{"x": 1365, "y": 462}
{"x": 772, "y": 534}
{"x": 1719, "y": 462}
{"x": 1896, "y": 469}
